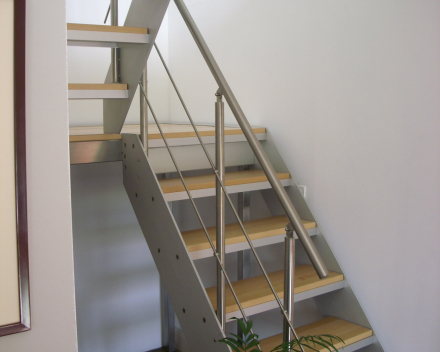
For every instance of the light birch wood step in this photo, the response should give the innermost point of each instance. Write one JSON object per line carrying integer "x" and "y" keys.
{"x": 98, "y": 91}
{"x": 255, "y": 295}
{"x": 171, "y": 131}
{"x": 105, "y": 36}
{"x": 262, "y": 232}
{"x": 204, "y": 186}
{"x": 354, "y": 336}
{"x": 90, "y": 144}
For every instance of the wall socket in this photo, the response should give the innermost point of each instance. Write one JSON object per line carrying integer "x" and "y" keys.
{"x": 303, "y": 190}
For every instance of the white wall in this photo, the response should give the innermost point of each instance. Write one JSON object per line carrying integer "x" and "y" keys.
{"x": 117, "y": 283}
{"x": 90, "y": 65}
{"x": 50, "y": 235}
{"x": 350, "y": 90}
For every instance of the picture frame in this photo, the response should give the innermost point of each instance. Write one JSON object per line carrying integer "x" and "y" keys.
{"x": 14, "y": 254}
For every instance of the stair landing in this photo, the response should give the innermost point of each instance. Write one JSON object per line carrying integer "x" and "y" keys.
{"x": 91, "y": 145}
{"x": 96, "y": 133}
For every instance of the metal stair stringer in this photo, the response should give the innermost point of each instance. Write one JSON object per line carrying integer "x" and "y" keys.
{"x": 176, "y": 269}
{"x": 144, "y": 14}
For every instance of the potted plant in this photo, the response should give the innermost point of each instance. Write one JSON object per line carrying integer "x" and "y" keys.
{"x": 249, "y": 342}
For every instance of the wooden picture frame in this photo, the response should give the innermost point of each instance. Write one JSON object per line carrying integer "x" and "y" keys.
{"x": 13, "y": 107}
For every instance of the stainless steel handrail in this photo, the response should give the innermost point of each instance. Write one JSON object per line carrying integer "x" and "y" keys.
{"x": 216, "y": 254}
{"x": 240, "y": 222}
{"x": 267, "y": 167}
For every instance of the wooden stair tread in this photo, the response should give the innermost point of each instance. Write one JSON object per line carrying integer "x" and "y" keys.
{"x": 255, "y": 290}
{"x": 196, "y": 240}
{"x": 173, "y": 185}
{"x": 349, "y": 332}
{"x": 97, "y": 86}
{"x": 96, "y": 133}
{"x": 104, "y": 28}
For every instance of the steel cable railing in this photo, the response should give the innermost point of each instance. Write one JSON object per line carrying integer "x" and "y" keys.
{"x": 194, "y": 206}
{"x": 261, "y": 156}
{"x": 227, "y": 197}
{"x": 253, "y": 142}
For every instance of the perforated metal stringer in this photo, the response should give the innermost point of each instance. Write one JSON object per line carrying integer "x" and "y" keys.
{"x": 176, "y": 269}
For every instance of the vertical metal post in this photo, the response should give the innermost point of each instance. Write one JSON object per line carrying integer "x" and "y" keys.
{"x": 244, "y": 256}
{"x": 244, "y": 259}
{"x": 115, "y": 51}
{"x": 168, "y": 319}
{"x": 220, "y": 206}
{"x": 144, "y": 111}
{"x": 244, "y": 210}
{"x": 289, "y": 279}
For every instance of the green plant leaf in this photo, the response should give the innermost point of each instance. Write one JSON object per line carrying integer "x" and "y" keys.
{"x": 318, "y": 340}
{"x": 285, "y": 346}
{"x": 230, "y": 344}
{"x": 253, "y": 343}
{"x": 249, "y": 340}
{"x": 248, "y": 327}
{"x": 310, "y": 342}
{"x": 239, "y": 339}
{"x": 331, "y": 337}
{"x": 251, "y": 337}
{"x": 229, "y": 340}
{"x": 304, "y": 345}
{"x": 245, "y": 327}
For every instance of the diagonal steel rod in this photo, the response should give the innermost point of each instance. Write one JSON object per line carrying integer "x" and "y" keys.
{"x": 108, "y": 13}
{"x": 216, "y": 255}
{"x": 229, "y": 199}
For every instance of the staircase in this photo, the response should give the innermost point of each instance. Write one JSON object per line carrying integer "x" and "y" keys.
{"x": 159, "y": 198}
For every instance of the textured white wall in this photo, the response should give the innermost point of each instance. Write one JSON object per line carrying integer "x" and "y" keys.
{"x": 50, "y": 232}
{"x": 350, "y": 90}
{"x": 90, "y": 65}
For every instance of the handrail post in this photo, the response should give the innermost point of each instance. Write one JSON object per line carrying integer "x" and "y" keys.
{"x": 254, "y": 143}
{"x": 289, "y": 279}
{"x": 220, "y": 207}
{"x": 115, "y": 51}
{"x": 144, "y": 111}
